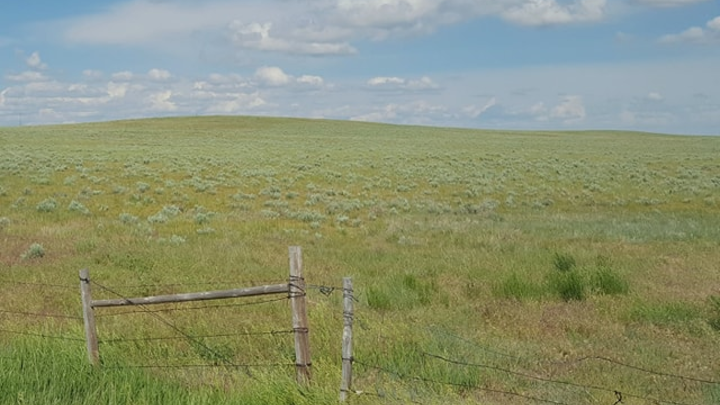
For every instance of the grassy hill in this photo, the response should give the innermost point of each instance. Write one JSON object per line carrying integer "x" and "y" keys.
{"x": 489, "y": 266}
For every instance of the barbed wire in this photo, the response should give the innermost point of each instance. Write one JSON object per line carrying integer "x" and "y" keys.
{"x": 585, "y": 359}
{"x": 172, "y": 326}
{"x": 326, "y": 290}
{"x": 461, "y": 385}
{"x": 641, "y": 369}
{"x": 25, "y": 283}
{"x": 265, "y": 333}
{"x": 474, "y": 344}
{"x": 192, "y": 308}
{"x": 22, "y": 333}
{"x": 40, "y": 315}
{"x": 619, "y": 393}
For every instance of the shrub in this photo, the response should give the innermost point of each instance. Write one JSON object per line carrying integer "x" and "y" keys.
{"x": 126, "y": 218}
{"x": 78, "y": 207}
{"x": 47, "y": 205}
{"x": 35, "y": 251}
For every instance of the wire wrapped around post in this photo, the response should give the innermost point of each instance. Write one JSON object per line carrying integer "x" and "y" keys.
{"x": 299, "y": 317}
{"x": 347, "y": 358}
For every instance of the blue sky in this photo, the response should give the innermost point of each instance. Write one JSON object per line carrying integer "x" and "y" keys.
{"x": 649, "y": 65}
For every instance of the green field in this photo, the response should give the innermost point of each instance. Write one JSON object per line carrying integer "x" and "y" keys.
{"x": 490, "y": 267}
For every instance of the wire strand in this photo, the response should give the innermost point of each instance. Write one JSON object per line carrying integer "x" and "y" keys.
{"x": 175, "y": 328}
{"x": 42, "y": 335}
{"x": 41, "y": 315}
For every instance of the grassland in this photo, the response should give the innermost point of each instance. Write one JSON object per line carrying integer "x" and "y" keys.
{"x": 520, "y": 251}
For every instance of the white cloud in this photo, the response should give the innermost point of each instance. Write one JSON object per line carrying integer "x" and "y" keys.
{"x": 27, "y": 76}
{"x": 92, "y": 74}
{"x": 474, "y": 111}
{"x": 314, "y": 81}
{"x": 316, "y": 28}
{"x": 117, "y": 90}
{"x": 2, "y": 97}
{"x": 399, "y": 83}
{"x": 570, "y": 110}
{"x": 696, "y": 35}
{"x": 654, "y": 96}
{"x": 123, "y": 76}
{"x": 159, "y": 74}
{"x": 237, "y": 103}
{"x": 550, "y": 12}
{"x": 161, "y": 101}
{"x": 272, "y": 76}
{"x": 153, "y": 22}
{"x": 670, "y": 3}
{"x": 260, "y": 37}
{"x": 34, "y": 61}
{"x": 419, "y": 112}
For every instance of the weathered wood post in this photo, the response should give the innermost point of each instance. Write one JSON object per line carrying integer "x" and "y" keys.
{"x": 347, "y": 357}
{"x": 299, "y": 317}
{"x": 89, "y": 318}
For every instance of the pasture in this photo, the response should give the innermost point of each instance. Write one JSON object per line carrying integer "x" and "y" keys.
{"x": 489, "y": 267}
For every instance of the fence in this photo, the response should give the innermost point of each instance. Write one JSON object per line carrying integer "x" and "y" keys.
{"x": 373, "y": 372}
{"x": 295, "y": 289}
{"x": 613, "y": 395}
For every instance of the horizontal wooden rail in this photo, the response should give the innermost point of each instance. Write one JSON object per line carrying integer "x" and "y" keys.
{"x": 201, "y": 296}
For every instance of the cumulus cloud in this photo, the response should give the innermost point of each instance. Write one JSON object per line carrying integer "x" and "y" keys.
{"x": 697, "y": 35}
{"x": 27, "y": 76}
{"x": 550, "y": 12}
{"x": 159, "y": 74}
{"x": 160, "y": 101}
{"x": 418, "y": 112}
{"x": 123, "y": 76}
{"x": 92, "y": 74}
{"x": 399, "y": 83}
{"x": 272, "y": 76}
{"x": 117, "y": 90}
{"x": 315, "y": 81}
{"x": 237, "y": 103}
{"x": 570, "y": 109}
{"x": 33, "y": 61}
{"x": 261, "y": 37}
{"x": 314, "y": 28}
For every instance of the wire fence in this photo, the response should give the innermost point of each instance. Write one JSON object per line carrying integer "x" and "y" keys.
{"x": 74, "y": 321}
{"x": 370, "y": 369}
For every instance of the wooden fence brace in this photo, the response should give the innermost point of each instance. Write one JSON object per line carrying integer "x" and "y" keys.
{"x": 347, "y": 357}
{"x": 299, "y": 317}
{"x": 200, "y": 296}
{"x": 89, "y": 318}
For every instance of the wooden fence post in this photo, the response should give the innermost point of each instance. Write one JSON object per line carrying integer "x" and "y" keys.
{"x": 299, "y": 317}
{"x": 89, "y": 318}
{"x": 347, "y": 358}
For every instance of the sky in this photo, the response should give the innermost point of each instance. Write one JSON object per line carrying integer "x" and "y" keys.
{"x": 648, "y": 65}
